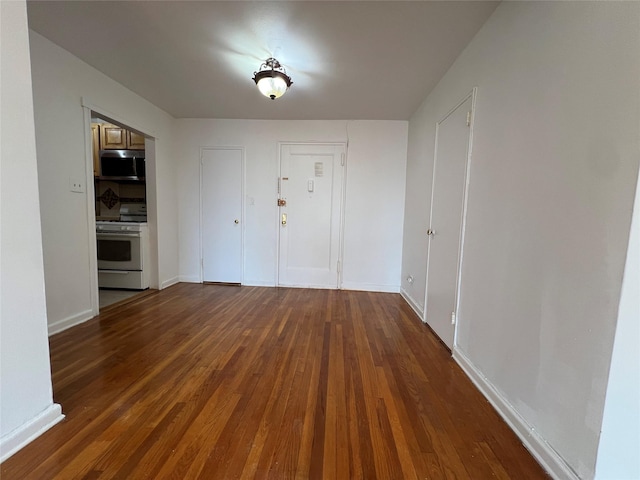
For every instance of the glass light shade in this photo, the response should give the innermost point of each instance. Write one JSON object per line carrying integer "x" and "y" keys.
{"x": 272, "y": 86}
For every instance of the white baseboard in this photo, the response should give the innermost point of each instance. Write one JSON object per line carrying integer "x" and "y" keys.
{"x": 311, "y": 286}
{"x": 189, "y": 279}
{"x": 345, "y": 286}
{"x": 544, "y": 453}
{"x": 65, "y": 323}
{"x": 170, "y": 282}
{"x": 29, "y": 431}
{"x": 370, "y": 287}
{"x": 248, "y": 283}
{"x": 412, "y": 303}
{"x": 257, "y": 283}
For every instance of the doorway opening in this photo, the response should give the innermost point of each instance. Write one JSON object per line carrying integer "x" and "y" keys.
{"x": 124, "y": 248}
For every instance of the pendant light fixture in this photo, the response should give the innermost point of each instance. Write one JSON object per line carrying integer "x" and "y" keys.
{"x": 272, "y": 79}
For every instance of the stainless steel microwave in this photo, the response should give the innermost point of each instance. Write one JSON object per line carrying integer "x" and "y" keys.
{"x": 122, "y": 164}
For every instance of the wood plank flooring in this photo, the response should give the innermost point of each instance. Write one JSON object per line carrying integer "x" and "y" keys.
{"x": 221, "y": 382}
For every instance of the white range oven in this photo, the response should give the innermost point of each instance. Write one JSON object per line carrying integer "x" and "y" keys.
{"x": 123, "y": 255}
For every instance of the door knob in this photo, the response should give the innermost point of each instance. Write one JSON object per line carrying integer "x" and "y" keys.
{"x": 284, "y": 219}
{"x": 236, "y": 221}
{"x": 431, "y": 232}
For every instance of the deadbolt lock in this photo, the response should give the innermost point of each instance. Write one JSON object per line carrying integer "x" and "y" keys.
{"x": 282, "y": 202}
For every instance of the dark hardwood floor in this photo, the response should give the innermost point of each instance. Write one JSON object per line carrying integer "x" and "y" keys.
{"x": 221, "y": 382}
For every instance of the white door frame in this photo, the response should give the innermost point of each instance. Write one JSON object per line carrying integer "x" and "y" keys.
{"x": 343, "y": 199}
{"x": 463, "y": 225}
{"x": 242, "y": 207}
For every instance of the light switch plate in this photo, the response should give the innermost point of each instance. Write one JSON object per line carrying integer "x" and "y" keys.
{"x": 76, "y": 185}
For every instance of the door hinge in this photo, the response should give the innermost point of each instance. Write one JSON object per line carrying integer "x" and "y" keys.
{"x": 453, "y": 318}
{"x": 342, "y": 159}
{"x": 468, "y": 118}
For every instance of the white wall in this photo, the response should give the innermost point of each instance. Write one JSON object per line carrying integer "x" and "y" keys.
{"x": 60, "y": 81}
{"x": 553, "y": 172}
{"x": 376, "y": 161}
{"x": 620, "y": 438}
{"x": 26, "y": 399}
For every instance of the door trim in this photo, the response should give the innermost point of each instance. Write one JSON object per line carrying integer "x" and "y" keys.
{"x": 91, "y": 213}
{"x": 343, "y": 199}
{"x": 243, "y": 215}
{"x": 463, "y": 221}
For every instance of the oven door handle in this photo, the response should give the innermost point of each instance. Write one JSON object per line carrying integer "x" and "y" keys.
{"x": 115, "y": 272}
{"x": 118, "y": 235}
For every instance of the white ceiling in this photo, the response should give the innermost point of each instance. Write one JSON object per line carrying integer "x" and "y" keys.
{"x": 348, "y": 59}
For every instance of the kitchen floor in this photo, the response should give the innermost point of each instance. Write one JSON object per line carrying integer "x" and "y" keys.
{"x": 109, "y": 297}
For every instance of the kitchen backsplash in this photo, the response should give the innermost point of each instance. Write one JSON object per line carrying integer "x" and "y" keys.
{"x": 109, "y": 196}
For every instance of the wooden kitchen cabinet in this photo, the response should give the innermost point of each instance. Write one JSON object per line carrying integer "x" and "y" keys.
{"x": 113, "y": 137}
{"x": 135, "y": 141}
{"x": 95, "y": 148}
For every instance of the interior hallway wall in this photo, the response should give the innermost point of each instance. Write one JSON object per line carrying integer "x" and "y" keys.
{"x": 26, "y": 397}
{"x": 553, "y": 173}
{"x": 374, "y": 204}
{"x": 620, "y": 437}
{"x": 60, "y": 82}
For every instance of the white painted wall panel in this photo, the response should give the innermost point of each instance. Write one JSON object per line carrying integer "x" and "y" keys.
{"x": 620, "y": 437}
{"x": 374, "y": 201}
{"x": 420, "y": 152}
{"x": 374, "y": 211}
{"x": 555, "y": 161}
{"x": 60, "y": 81}
{"x": 26, "y": 399}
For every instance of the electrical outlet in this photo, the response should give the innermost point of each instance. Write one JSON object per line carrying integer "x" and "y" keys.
{"x": 76, "y": 185}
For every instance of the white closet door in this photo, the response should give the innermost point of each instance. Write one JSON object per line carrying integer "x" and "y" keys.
{"x": 221, "y": 184}
{"x": 445, "y": 231}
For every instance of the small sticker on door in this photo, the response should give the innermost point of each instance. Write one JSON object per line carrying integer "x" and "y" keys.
{"x": 319, "y": 169}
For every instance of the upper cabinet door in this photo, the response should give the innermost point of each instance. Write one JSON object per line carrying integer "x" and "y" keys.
{"x": 112, "y": 137}
{"x": 135, "y": 141}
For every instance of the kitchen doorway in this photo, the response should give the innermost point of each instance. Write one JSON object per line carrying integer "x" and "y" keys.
{"x": 122, "y": 211}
